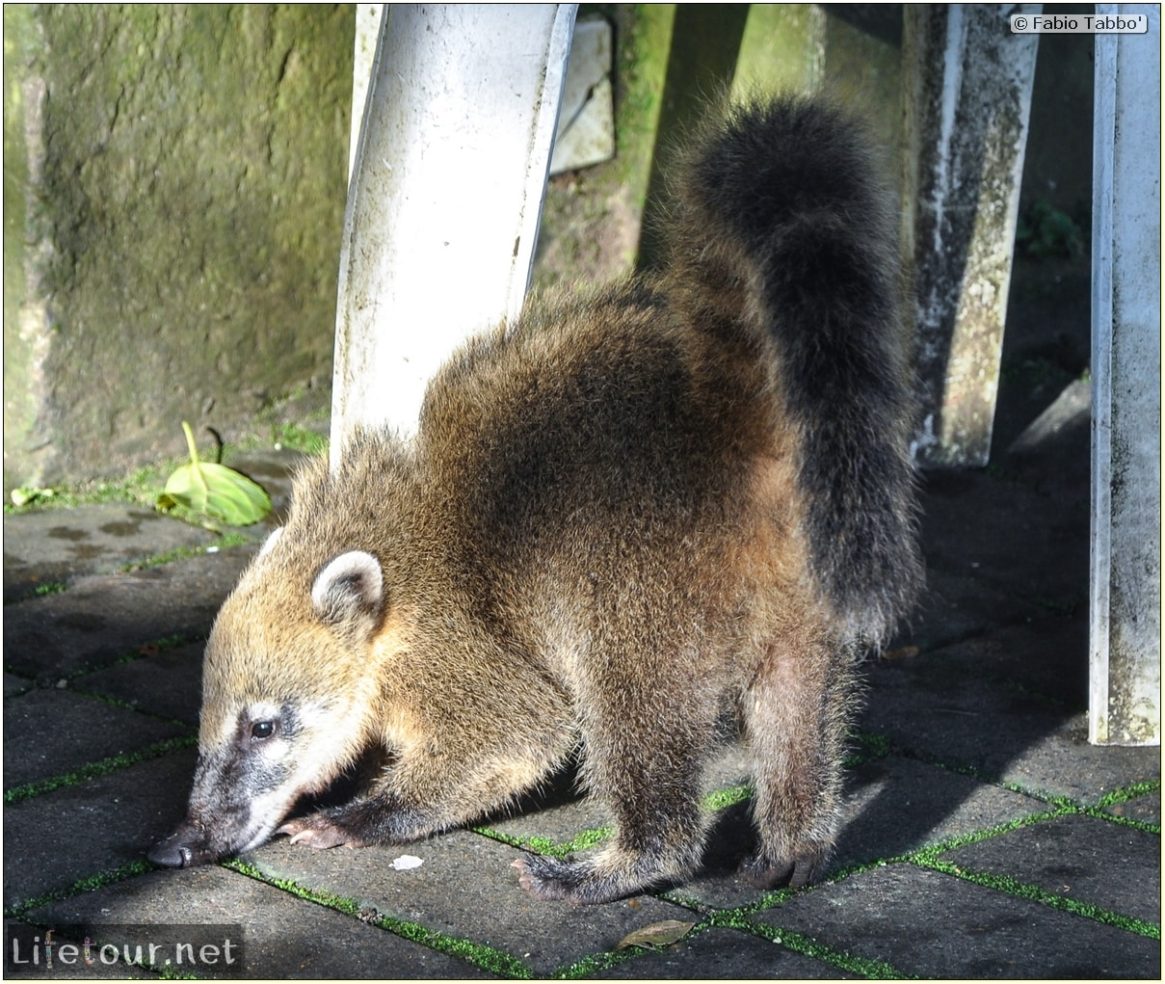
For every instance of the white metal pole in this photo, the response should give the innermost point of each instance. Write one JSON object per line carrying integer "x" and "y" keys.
{"x": 445, "y": 195}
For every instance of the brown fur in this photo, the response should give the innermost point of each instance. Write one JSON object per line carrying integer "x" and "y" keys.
{"x": 598, "y": 543}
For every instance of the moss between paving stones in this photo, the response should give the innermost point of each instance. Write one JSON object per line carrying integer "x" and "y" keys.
{"x": 127, "y": 705}
{"x": 90, "y": 883}
{"x": 1033, "y": 893}
{"x": 142, "y": 651}
{"x": 928, "y": 857}
{"x": 50, "y": 588}
{"x": 224, "y": 542}
{"x": 807, "y": 946}
{"x": 114, "y": 763}
{"x": 486, "y": 957}
{"x": 591, "y": 964}
{"x": 1130, "y": 792}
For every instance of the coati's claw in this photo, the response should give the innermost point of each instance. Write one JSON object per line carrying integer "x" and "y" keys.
{"x": 795, "y": 873}
{"x": 319, "y": 831}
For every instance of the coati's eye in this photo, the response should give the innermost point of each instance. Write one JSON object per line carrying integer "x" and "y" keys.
{"x": 262, "y": 729}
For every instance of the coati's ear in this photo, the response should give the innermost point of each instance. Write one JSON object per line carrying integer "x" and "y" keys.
{"x": 270, "y": 542}
{"x": 349, "y": 589}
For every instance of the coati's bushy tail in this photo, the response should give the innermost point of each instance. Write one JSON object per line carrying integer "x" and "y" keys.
{"x": 782, "y": 201}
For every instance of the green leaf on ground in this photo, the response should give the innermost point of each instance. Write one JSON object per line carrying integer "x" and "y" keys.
{"x": 657, "y": 935}
{"x": 214, "y": 490}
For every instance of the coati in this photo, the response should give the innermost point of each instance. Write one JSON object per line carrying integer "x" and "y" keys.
{"x": 636, "y": 512}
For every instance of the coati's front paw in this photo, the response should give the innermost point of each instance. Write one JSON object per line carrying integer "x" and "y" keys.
{"x": 320, "y": 830}
{"x": 797, "y": 872}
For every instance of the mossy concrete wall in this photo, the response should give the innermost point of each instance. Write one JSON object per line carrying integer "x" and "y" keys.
{"x": 174, "y": 190}
{"x": 670, "y": 60}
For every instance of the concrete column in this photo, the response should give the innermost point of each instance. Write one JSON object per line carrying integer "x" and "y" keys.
{"x": 445, "y": 195}
{"x": 1125, "y": 597}
{"x": 967, "y": 89}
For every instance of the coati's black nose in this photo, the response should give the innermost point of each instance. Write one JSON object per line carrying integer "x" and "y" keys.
{"x": 183, "y": 848}
{"x": 170, "y": 855}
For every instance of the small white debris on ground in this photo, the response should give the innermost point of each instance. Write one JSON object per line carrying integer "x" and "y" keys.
{"x": 406, "y": 862}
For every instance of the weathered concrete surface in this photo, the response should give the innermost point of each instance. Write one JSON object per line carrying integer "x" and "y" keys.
{"x": 177, "y": 188}
{"x": 967, "y": 101}
{"x": 586, "y": 117}
{"x": 934, "y": 925}
{"x": 282, "y": 937}
{"x": 1116, "y": 868}
{"x": 45, "y": 547}
{"x": 1125, "y": 705}
{"x": 104, "y": 616}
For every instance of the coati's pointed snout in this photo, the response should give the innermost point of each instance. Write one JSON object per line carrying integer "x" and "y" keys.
{"x": 184, "y": 848}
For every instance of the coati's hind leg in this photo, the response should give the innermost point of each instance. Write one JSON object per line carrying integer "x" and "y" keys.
{"x": 795, "y": 718}
{"x": 659, "y": 834}
{"x": 644, "y": 759}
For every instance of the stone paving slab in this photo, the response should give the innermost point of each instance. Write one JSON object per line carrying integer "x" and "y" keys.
{"x": 1145, "y": 808}
{"x": 723, "y": 954}
{"x": 957, "y": 605}
{"x": 466, "y": 887}
{"x": 102, "y": 617}
{"x": 892, "y": 806}
{"x": 98, "y": 825}
{"x": 928, "y": 924}
{"x": 52, "y": 732}
{"x": 1106, "y": 864}
{"x": 59, "y": 545}
{"x": 1053, "y": 668}
{"x": 166, "y": 682}
{"x": 1004, "y": 533}
{"x": 1037, "y": 745}
{"x": 283, "y": 937}
{"x": 14, "y": 685}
